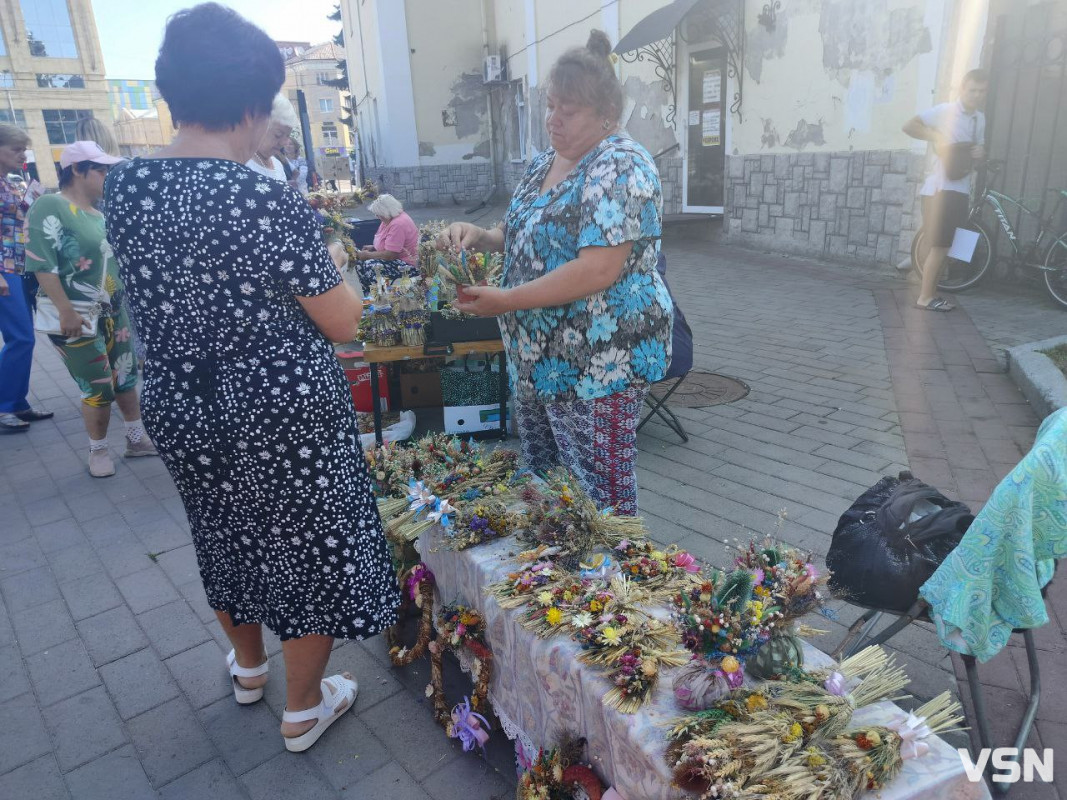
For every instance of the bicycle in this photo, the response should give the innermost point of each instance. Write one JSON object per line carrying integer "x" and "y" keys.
{"x": 1050, "y": 259}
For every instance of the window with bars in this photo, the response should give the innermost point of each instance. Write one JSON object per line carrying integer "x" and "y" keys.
{"x": 60, "y": 124}
{"x": 329, "y": 134}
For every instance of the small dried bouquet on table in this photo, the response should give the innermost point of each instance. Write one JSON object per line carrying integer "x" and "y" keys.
{"x": 335, "y": 229}
{"x": 467, "y": 268}
{"x": 412, "y": 315}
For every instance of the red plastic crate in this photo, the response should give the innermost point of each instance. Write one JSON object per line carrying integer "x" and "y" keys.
{"x": 359, "y": 383}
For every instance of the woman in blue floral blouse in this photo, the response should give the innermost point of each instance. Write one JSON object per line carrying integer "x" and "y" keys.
{"x": 585, "y": 318}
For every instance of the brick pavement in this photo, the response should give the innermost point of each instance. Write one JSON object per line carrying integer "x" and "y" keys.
{"x": 111, "y": 676}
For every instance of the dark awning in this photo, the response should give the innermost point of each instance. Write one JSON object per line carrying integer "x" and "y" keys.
{"x": 658, "y": 25}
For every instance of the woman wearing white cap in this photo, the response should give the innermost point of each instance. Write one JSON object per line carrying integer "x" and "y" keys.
{"x": 74, "y": 264}
{"x": 283, "y": 120}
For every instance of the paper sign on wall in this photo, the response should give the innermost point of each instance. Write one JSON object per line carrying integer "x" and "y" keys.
{"x": 712, "y": 123}
{"x": 694, "y": 117}
{"x": 712, "y": 86}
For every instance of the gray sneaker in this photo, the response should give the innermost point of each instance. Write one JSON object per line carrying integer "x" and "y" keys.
{"x": 100, "y": 463}
{"x": 141, "y": 448}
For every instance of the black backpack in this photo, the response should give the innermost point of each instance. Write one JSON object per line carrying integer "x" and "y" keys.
{"x": 878, "y": 559}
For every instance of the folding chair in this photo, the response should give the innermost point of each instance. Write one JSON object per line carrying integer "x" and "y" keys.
{"x": 860, "y": 636}
{"x": 681, "y": 363}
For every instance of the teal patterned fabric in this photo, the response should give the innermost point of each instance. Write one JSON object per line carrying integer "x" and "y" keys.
{"x": 616, "y": 338}
{"x": 991, "y": 583}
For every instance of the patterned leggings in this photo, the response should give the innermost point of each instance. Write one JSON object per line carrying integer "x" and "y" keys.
{"x": 594, "y": 439}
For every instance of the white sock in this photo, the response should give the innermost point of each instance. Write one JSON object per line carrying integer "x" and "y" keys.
{"x": 97, "y": 444}
{"x": 134, "y": 430}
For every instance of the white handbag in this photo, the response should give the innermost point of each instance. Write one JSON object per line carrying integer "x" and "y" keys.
{"x": 46, "y": 317}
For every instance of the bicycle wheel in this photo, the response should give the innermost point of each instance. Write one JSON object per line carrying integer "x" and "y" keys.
{"x": 1056, "y": 270}
{"x": 956, "y": 275}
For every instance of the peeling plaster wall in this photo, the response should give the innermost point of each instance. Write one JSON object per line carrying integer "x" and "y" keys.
{"x": 833, "y": 75}
{"x": 446, "y": 73}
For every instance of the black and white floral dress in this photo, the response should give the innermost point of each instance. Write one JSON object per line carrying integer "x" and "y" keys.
{"x": 245, "y": 399}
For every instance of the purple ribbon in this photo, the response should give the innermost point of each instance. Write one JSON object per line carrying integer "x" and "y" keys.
{"x": 420, "y": 573}
{"x": 467, "y": 726}
{"x": 835, "y": 684}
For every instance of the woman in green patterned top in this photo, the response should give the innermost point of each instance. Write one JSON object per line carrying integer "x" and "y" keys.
{"x": 73, "y": 262}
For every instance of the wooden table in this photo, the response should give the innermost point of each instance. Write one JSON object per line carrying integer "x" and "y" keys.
{"x": 373, "y": 355}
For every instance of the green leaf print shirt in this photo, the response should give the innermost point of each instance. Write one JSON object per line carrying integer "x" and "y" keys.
{"x": 69, "y": 242}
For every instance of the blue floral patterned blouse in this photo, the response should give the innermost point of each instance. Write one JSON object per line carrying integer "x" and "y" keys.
{"x": 611, "y": 340}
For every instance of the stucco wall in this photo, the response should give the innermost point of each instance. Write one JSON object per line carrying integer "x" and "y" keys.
{"x": 451, "y": 112}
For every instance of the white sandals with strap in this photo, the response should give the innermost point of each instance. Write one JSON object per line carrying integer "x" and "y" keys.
{"x": 241, "y": 694}
{"x": 327, "y": 712}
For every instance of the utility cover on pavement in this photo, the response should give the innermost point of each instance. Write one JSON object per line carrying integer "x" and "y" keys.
{"x": 702, "y": 389}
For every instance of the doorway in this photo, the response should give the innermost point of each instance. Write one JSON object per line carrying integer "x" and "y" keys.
{"x": 704, "y": 159}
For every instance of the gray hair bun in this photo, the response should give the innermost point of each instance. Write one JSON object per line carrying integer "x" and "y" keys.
{"x": 599, "y": 44}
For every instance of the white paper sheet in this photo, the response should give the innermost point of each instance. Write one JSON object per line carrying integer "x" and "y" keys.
{"x": 963, "y": 245}
{"x": 712, "y": 86}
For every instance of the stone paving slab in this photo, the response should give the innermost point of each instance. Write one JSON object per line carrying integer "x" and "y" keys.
{"x": 112, "y": 681}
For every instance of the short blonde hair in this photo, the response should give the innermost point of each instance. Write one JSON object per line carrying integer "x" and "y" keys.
{"x": 386, "y": 206}
{"x": 90, "y": 129}
{"x": 282, "y": 112}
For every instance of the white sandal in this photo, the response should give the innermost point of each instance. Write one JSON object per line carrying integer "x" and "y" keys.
{"x": 327, "y": 712}
{"x": 241, "y": 694}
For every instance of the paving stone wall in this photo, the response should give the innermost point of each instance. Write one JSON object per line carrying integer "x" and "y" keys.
{"x": 859, "y": 207}
{"x": 436, "y": 184}
{"x": 670, "y": 177}
{"x": 513, "y": 172}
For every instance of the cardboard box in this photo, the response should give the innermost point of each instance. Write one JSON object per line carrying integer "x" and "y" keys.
{"x": 468, "y": 419}
{"x": 420, "y": 390}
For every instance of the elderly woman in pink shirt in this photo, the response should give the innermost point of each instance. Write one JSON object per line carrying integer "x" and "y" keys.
{"x": 396, "y": 244}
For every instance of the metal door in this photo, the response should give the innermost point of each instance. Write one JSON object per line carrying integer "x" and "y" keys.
{"x": 1027, "y": 105}
{"x": 705, "y": 126}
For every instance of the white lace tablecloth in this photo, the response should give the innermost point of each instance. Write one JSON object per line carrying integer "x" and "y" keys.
{"x": 539, "y": 688}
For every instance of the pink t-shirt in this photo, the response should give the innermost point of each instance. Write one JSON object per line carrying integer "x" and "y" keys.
{"x": 399, "y": 235}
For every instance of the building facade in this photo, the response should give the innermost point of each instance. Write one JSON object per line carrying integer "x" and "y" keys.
{"x": 785, "y": 118}
{"x": 51, "y": 74}
{"x": 132, "y": 95}
{"x": 309, "y": 71}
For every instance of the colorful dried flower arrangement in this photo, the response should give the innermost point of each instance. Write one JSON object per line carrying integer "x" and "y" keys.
{"x": 365, "y": 193}
{"x": 559, "y": 774}
{"x": 468, "y": 268}
{"x": 661, "y": 571}
{"x": 484, "y": 521}
{"x": 335, "y": 227}
{"x": 753, "y": 733}
{"x": 562, "y": 515}
{"x": 462, "y": 629}
{"x": 417, "y": 583}
{"x": 730, "y": 616}
{"x": 874, "y": 756}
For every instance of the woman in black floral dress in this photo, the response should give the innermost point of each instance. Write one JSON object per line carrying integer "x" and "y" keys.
{"x": 235, "y": 295}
